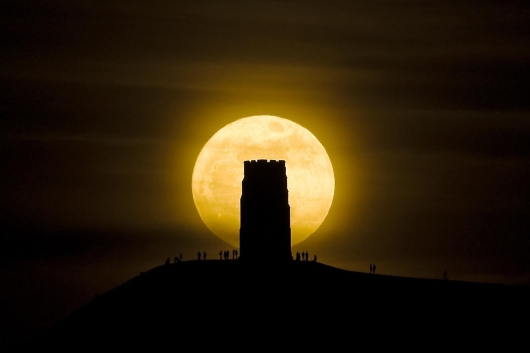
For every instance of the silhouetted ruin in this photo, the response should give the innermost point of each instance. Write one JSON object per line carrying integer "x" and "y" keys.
{"x": 265, "y": 223}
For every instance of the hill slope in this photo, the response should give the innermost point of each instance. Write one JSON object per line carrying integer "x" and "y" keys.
{"x": 223, "y": 304}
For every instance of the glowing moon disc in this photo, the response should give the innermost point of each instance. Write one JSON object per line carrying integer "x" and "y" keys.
{"x": 218, "y": 172}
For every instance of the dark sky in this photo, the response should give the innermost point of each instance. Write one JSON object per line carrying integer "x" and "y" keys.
{"x": 422, "y": 106}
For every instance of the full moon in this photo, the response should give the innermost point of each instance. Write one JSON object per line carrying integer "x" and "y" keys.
{"x": 218, "y": 172}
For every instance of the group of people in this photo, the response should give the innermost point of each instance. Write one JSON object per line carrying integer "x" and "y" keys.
{"x": 222, "y": 255}
{"x": 305, "y": 256}
{"x": 176, "y": 259}
{"x": 226, "y": 255}
{"x": 372, "y": 268}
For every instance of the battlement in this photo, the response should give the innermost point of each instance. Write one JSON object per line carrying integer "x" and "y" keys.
{"x": 264, "y": 176}
{"x": 265, "y": 161}
{"x": 262, "y": 165}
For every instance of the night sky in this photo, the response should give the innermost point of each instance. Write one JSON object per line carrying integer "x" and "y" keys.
{"x": 422, "y": 106}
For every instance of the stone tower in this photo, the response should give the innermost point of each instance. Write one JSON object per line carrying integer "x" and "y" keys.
{"x": 265, "y": 218}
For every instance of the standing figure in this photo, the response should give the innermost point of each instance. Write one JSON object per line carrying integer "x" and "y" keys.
{"x": 236, "y": 255}
{"x": 221, "y": 255}
{"x": 199, "y": 255}
{"x": 204, "y": 255}
{"x": 371, "y": 268}
{"x": 374, "y": 269}
{"x": 306, "y": 256}
{"x": 315, "y": 258}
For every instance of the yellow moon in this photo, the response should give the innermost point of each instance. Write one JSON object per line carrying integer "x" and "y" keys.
{"x": 218, "y": 172}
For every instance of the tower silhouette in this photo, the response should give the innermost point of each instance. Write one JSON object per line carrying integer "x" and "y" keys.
{"x": 265, "y": 223}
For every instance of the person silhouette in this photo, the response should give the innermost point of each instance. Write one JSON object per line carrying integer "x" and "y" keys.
{"x": 221, "y": 255}
{"x": 371, "y": 268}
{"x": 297, "y": 256}
{"x": 236, "y": 254}
{"x": 374, "y": 269}
{"x": 303, "y": 256}
{"x": 167, "y": 261}
{"x": 176, "y": 259}
{"x": 445, "y": 275}
{"x": 306, "y": 256}
{"x": 199, "y": 255}
{"x": 315, "y": 258}
{"x": 204, "y": 257}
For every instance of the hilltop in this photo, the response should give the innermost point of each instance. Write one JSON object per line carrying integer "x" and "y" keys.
{"x": 222, "y": 304}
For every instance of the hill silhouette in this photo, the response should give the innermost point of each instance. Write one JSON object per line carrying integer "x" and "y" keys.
{"x": 198, "y": 305}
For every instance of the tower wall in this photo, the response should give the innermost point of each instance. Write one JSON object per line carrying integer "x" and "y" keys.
{"x": 265, "y": 216}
